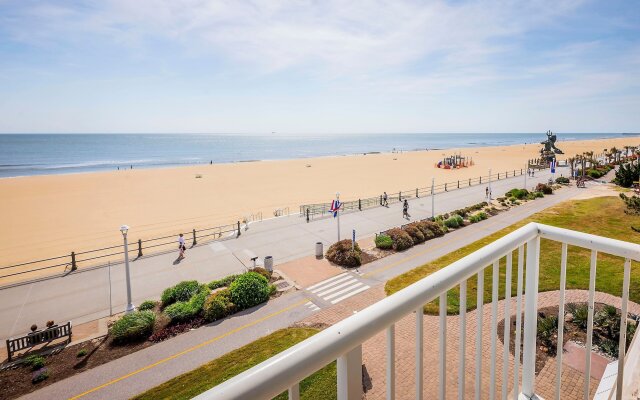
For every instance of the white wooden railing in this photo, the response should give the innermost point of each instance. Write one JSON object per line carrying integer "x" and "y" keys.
{"x": 343, "y": 341}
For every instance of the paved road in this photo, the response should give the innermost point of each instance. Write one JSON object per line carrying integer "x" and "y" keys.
{"x": 87, "y": 295}
{"x": 147, "y": 368}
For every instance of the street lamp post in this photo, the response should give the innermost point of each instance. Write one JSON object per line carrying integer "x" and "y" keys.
{"x": 338, "y": 213}
{"x": 124, "y": 229}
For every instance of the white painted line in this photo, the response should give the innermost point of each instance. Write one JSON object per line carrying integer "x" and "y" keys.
{"x": 326, "y": 281}
{"x": 352, "y": 287}
{"x": 340, "y": 286}
{"x": 362, "y": 289}
{"x": 328, "y": 285}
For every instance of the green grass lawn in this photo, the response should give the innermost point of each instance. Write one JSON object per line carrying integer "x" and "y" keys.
{"x": 602, "y": 216}
{"x": 320, "y": 385}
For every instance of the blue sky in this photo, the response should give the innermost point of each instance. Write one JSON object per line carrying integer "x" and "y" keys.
{"x": 319, "y": 66}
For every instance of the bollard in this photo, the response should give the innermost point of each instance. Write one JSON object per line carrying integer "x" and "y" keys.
{"x": 417, "y": 193}
{"x": 238, "y": 229}
{"x": 399, "y": 196}
{"x": 445, "y": 187}
{"x": 194, "y": 238}
{"x": 458, "y": 184}
{"x": 307, "y": 215}
{"x": 380, "y": 199}
{"x": 481, "y": 180}
{"x": 359, "y": 204}
{"x": 469, "y": 181}
{"x": 139, "y": 248}
{"x": 73, "y": 261}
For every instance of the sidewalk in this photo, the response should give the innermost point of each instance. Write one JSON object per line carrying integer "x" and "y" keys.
{"x": 147, "y": 368}
{"x": 87, "y": 295}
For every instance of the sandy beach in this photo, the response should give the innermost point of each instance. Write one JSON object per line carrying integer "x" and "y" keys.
{"x": 47, "y": 216}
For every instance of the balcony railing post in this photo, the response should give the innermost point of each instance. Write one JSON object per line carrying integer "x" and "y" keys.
{"x": 530, "y": 318}
{"x": 350, "y": 375}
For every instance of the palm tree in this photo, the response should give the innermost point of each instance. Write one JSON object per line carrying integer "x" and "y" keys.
{"x": 572, "y": 161}
{"x": 614, "y": 152}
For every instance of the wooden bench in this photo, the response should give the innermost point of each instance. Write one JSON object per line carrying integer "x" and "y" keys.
{"x": 33, "y": 339}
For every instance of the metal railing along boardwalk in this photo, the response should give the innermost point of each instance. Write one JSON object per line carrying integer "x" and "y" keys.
{"x": 97, "y": 257}
{"x": 318, "y": 210}
{"x": 343, "y": 341}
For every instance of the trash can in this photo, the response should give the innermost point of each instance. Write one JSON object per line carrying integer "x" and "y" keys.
{"x": 268, "y": 263}
{"x": 319, "y": 250}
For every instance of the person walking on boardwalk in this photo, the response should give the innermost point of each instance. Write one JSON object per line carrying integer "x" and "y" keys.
{"x": 181, "y": 247}
{"x": 486, "y": 192}
{"x": 405, "y": 209}
{"x": 385, "y": 200}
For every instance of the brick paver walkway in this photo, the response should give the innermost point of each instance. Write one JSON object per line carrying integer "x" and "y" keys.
{"x": 374, "y": 350}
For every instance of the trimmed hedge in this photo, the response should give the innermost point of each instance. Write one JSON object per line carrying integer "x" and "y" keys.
{"x": 249, "y": 290}
{"x": 384, "y": 242}
{"x": 147, "y": 305}
{"x": 186, "y": 310}
{"x": 517, "y": 193}
{"x": 544, "y": 188}
{"x": 224, "y": 282}
{"x": 416, "y": 234}
{"x": 401, "y": 239}
{"x": 340, "y": 253}
{"x": 563, "y": 180}
{"x": 136, "y": 325}
{"x": 218, "y": 305}
{"x": 453, "y": 221}
{"x": 180, "y": 292}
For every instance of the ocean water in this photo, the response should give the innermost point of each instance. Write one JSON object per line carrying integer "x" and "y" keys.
{"x": 40, "y": 154}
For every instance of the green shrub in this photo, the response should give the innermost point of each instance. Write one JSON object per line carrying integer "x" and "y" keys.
{"x": 563, "y": 180}
{"x": 147, "y": 305}
{"x": 580, "y": 314}
{"x": 249, "y": 289}
{"x": 35, "y": 362}
{"x": 627, "y": 174}
{"x": 518, "y": 194}
{"x": 262, "y": 272}
{"x": 401, "y": 239}
{"x": 182, "y": 311}
{"x": 180, "y": 292}
{"x": 547, "y": 326}
{"x": 416, "y": 234}
{"x": 81, "y": 353}
{"x": 218, "y": 305}
{"x": 133, "y": 326}
{"x": 538, "y": 195}
{"x": 451, "y": 222}
{"x": 474, "y": 218}
{"x": 341, "y": 253}
{"x": 272, "y": 290}
{"x": 224, "y": 282}
{"x": 384, "y": 242}
{"x": 632, "y": 203}
{"x": 609, "y": 347}
{"x": 594, "y": 173}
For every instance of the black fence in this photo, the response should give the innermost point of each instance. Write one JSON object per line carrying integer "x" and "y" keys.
{"x": 136, "y": 249}
{"x": 319, "y": 210}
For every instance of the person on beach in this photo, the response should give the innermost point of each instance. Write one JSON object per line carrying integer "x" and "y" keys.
{"x": 405, "y": 209}
{"x": 385, "y": 200}
{"x": 181, "y": 247}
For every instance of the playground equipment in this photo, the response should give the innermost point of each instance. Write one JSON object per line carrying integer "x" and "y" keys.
{"x": 455, "y": 161}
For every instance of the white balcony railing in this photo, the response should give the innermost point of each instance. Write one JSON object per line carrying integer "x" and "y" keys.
{"x": 343, "y": 341}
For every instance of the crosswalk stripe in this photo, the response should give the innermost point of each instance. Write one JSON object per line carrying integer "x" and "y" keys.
{"x": 345, "y": 290}
{"x": 362, "y": 289}
{"x": 310, "y": 288}
{"x": 327, "y": 285}
{"x": 340, "y": 286}
{"x": 312, "y": 306}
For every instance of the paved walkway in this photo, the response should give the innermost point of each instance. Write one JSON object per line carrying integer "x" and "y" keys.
{"x": 89, "y": 294}
{"x": 145, "y": 369}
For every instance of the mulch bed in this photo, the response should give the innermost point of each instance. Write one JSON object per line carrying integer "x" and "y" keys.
{"x": 16, "y": 381}
{"x": 572, "y": 332}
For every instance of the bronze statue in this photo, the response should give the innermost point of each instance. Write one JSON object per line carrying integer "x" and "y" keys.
{"x": 550, "y": 150}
